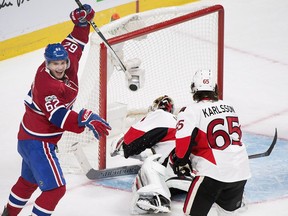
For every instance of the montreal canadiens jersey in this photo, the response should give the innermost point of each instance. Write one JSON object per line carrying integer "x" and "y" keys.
{"x": 48, "y": 105}
{"x": 156, "y": 130}
{"x": 219, "y": 152}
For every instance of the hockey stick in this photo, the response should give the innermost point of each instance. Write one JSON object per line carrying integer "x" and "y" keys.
{"x": 95, "y": 27}
{"x": 268, "y": 152}
{"x": 133, "y": 169}
{"x": 93, "y": 174}
{"x": 113, "y": 172}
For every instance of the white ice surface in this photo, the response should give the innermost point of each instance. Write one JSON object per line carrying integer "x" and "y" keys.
{"x": 256, "y": 82}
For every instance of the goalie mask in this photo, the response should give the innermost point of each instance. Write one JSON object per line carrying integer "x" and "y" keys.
{"x": 203, "y": 81}
{"x": 164, "y": 102}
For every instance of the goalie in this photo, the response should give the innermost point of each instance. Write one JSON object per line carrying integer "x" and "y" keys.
{"x": 152, "y": 140}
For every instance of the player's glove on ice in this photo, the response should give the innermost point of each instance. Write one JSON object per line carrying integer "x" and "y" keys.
{"x": 94, "y": 122}
{"x": 80, "y": 17}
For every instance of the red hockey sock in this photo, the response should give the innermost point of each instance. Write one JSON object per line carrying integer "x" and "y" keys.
{"x": 19, "y": 196}
{"x": 48, "y": 200}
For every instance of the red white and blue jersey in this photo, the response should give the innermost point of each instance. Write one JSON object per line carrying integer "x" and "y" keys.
{"x": 49, "y": 102}
{"x": 210, "y": 133}
{"x": 156, "y": 130}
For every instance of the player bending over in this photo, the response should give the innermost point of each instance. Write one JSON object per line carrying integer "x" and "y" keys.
{"x": 48, "y": 114}
{"x": 152, "y": 140}
{"x": 209, "y": 137}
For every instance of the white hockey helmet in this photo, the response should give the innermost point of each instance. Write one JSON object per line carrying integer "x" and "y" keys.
{"x": 203, "y": 80}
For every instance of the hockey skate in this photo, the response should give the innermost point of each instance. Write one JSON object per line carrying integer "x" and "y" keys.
{"x": 243, "y": 207}
{"x": 5, "y": 212}
{"x": 155, "y": 204}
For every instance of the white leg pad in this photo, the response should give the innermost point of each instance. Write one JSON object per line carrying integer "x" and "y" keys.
{"x": 150, "y": 183}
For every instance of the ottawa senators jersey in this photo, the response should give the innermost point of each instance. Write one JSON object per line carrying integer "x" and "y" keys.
{"x": 49, "y": 102}
{"x": 156, "y": 130}
{"x": 216, "y": 149}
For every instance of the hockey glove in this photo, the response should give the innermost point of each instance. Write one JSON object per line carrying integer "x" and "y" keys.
{"x": 94, "y": 122}
{"x": 181, "y": 166}
{"x": 81, "y": 17}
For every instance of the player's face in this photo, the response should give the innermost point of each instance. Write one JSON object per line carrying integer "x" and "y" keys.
{"x": 57, "y": 68}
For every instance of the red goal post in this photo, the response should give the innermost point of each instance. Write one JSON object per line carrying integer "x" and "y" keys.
{"x": 172, "y": 43}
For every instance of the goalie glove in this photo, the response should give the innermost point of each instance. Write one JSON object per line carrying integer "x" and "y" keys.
{"x": 81, "y": 17}
{"x": 94, "y": 122}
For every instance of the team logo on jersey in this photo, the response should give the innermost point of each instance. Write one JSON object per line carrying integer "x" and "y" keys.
{"x": 50, "y": 98}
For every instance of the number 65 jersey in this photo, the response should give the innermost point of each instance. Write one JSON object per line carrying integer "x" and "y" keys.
{"x": 216, "y": 149}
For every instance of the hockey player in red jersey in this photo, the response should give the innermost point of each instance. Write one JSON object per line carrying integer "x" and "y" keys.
{"x": 48, "y": 114}
{"x": 209, "y": 137}
{"x": 152, "y": 139}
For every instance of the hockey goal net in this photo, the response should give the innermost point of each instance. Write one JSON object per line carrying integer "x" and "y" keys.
{"x": 172, "y": 43}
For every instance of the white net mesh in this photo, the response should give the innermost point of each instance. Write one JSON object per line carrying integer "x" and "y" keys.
{"x": 171, "y": 43}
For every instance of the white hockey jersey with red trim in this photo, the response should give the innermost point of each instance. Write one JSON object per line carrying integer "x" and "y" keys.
{"x": 156, "y": 129}
{"x": 219, "y": 152}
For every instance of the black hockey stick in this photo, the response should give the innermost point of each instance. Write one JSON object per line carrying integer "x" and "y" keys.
{"x": 95, "y": 27}
{"x": 113, "y": 172}
{"x": 268, "y": 152}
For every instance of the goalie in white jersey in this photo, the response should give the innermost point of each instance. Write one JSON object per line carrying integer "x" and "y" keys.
{"x": 208, "y": 136}
{"x": 152, "y": 140}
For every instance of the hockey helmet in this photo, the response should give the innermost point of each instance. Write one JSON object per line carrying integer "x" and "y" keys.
{"x": 164, "y": 102}
{"x": 203, "y": 80}
{"x": 56, "y": 52}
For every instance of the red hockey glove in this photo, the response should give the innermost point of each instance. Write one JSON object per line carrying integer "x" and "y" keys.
{"x": 94, "y": 122}
{"x": 81, "y": 17}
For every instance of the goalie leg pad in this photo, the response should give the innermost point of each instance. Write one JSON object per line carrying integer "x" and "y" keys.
{"x": 181, "y": 183}
{"x": 151, "y": 194}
